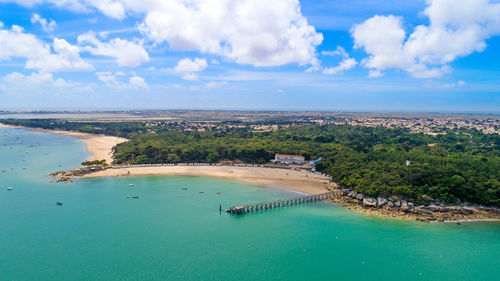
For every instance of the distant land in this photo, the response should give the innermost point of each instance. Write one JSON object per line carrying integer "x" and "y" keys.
{"x": 407, "y": 165}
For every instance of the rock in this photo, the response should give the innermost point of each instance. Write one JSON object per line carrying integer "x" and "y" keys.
{"x": 467, "y": 211}
{"x": 381, "y": 201}
{"x": 423, "y": 211}
{"x": 404, "y": 205}
{"x": 397, "y": 204}
{"x": 427, "y": 198}
{"x": 390, "y": 204}
{"x": 435, "y": 208}
{"x": 360, "y": 196}
{"x": 370, "y": 202}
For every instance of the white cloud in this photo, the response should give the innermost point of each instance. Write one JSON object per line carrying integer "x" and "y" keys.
{"x": 47, "y": 26}
{"x": 188, "y": 65}
{"x": 433, "y": 84}
{"x": 110, "y": 79}
{"x": 260, "y": 33}
{"x": 190, "y": 77}
{"x": 346, "y": 63}
{"x": 337, "y": 52}
{"x": 215, "y": 84}
{"x": 39, "y": 55}
{"x": 38, "y": 83}
{"x": 457, "y": 29}
{"x": 112, "y": 9}
{"x": 127, "y": 53}
{"x": 73, "y": 5}
{"x": 375, "y": 73}
{"x": 35, "y": 80}
{"x": 188, "y": 68}
{"x": 137, "y": 82}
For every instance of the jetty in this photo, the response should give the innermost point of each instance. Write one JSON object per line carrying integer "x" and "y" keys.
{"x": 245, "y": 209}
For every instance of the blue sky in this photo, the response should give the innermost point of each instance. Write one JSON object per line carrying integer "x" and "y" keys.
{"x": 339, "y": 55}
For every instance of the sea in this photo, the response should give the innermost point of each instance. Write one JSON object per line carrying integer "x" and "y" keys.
{"x": 176, "y": 231}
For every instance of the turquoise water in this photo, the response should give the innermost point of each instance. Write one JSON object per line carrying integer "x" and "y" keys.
{"x": 175, "y": 234}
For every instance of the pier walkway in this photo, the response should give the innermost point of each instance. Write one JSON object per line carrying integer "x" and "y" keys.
{"x": 244, "y": 209}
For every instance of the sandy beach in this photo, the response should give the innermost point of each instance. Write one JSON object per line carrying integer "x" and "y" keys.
{"x": 101, "y": 148}
{"x": 99, "y": 145}
{"x": 300, "y": 181}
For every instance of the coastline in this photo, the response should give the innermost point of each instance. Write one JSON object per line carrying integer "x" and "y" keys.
{"x": 295, "y": 180}
{"x": 300, "y": 181}
{"x": 99, "y": 145}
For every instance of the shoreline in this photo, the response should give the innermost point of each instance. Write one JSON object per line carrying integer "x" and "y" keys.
{"x": 99, "y": 145}
{"x": 300, "y": 181}
{"x": 293, "y": 180}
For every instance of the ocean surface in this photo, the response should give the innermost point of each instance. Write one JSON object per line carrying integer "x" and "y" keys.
{"x": 174, "y": 234}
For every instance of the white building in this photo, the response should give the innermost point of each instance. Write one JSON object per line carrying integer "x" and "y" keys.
{"x": 285, "y": 158}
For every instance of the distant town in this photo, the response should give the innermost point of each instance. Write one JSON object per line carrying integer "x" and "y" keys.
{"x": 261, "y": 121}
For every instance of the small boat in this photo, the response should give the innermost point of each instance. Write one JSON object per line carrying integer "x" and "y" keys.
{"x": 9, "y": 188}
{"x": 202, "y": 192}
{"x": 131, "y": 184}
{"x": 184, "y": 188}
{"x": 135, "y": 197}
{"x": 59, "y": 203}
{"x": 218, "y": 192}
{"x": 128, "y": 196}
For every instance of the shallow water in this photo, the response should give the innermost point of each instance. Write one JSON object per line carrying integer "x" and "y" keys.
{"x": 174, "y": 234}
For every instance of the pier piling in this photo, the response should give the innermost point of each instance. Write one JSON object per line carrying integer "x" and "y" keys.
{"x": 244, "y": 209}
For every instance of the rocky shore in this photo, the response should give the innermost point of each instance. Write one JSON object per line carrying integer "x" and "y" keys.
{"x": 67, "y": 176}
{"x": 432, "y": 211}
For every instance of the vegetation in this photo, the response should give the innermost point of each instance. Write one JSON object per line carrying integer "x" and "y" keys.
{"x": 119, "y": 129}
{"x": 95, "y": 163}
{"x": 460, "y": 165}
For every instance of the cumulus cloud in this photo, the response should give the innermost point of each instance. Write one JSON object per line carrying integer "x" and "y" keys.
{"x": 346, "y": 63}
{"x": 16, "y": 43}
{"x": 38, "y": 83}
{"x": 456, "y": 29}
{"x": 127, "y": 53}
{"x": 259, "y": 33}
{"x": 137, "y": 82}
{"x": 73, "y": 5}
{"x": 112, "y": 9}
{"x": 110, "y": 79}
{"x": 188, "y": 68}
{"x": 47, "y": 26}
{"x": 188, "y": 65}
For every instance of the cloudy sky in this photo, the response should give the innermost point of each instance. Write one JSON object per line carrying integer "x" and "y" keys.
{"x": 349, "y": 55}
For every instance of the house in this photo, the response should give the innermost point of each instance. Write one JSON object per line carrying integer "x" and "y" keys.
{"x": 285, "y": 158}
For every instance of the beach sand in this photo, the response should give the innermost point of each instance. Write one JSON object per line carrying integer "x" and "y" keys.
{"x": 101, "y": 148}
{"x": 301, "y": 181}
{"x": 99, "y": 145}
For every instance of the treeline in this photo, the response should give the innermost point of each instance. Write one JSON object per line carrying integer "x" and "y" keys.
{"x": 119, "y": 129}
{"x": 461, "y": 167}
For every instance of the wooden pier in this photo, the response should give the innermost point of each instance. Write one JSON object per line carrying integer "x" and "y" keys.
{"x": 245, "y": 209}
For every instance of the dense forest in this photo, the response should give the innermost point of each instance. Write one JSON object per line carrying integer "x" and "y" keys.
{"x": 456, "y": 166}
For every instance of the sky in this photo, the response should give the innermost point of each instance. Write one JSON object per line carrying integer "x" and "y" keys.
{"x": 325, "y": 55}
